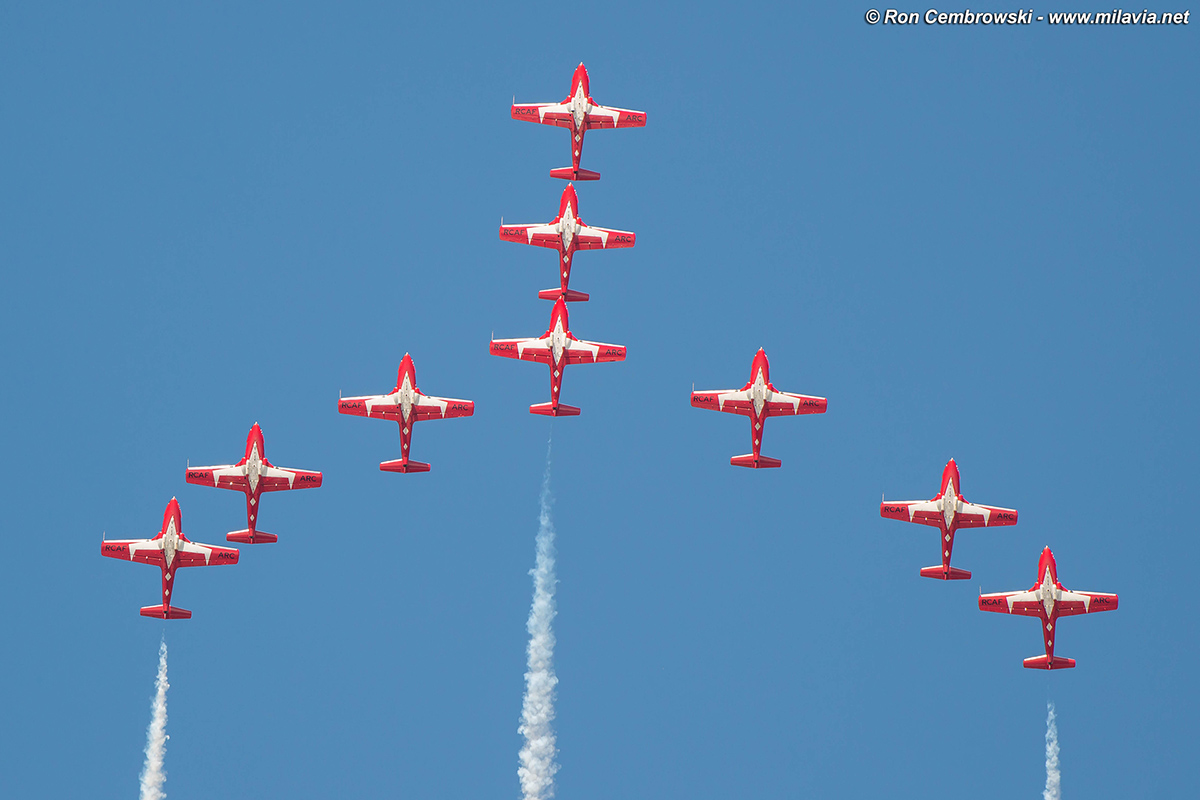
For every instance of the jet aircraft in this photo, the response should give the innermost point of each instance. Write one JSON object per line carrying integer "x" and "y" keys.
{"x": 253, "y": 475}
{"x": 566, "y": 233}
{"x": 171, "y": 551}
{"x": 948, "y": 512}
{"x": 557, "y": 347}
{"x": 1049, "y": 601}
{"x": 758, "y": 400}
{"x": 579, "y": 113}
{"x": 406, "y": 405}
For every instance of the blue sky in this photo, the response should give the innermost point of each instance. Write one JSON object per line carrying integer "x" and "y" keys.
{"x": 976, "y": 243}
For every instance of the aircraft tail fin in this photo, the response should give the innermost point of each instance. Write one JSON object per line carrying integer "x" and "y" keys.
{"x": 551, "y": 410}
{"x": 570, "y": 295}
{"x": 1045, "y": 662}
{"x": 748, "y": 460}
{"x": 251, "y": 537}
{"x": 166, "y": 612}
{"x": 404, "y": 465}
{"x": 572, "y": 174}
{"x": 948, "y": 574}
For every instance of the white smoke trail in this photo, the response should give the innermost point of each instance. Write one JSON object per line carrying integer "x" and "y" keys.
{"x": 153, "y": 774}
{"x": 1052, "y": 791}
{"x": 537, "y": 711}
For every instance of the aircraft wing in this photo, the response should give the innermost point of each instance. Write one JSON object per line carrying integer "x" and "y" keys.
{"x": 143, "y": 551}
{"x": 546, "y": 113}
{"x": 537, "y": 235}
{"x": 225, "y": 476}
{"x": 1027, "y": 604}
{"x": 580, "y": 351}
{"x": 375, "y": 406}
{"x": 738, "y": 401}
{"x": 592, "y": 238}
{"x": 1070, "y": 604}
{"x": 923, "y": 512}
{"x": 525, "y": 349}
{"x": 430, "y": 407}
{"x": 277, "y": 479}
{"x": 609, "y": 117}
{"x": 195, "y": 554}
{"x": 187, "y": 554}
{"x": 560, "y": 114}
{"x": 976, "y": 516}
{"x": 786, "y": 404}
{"x": 384, "y": 406}
{"x": 731, "y": 401}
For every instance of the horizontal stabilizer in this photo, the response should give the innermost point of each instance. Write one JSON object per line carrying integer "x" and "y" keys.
{"x": 948, "y": 574}
{"x": 551, "y": 410}
{"x": 572, "y": 174}
{"x": 404, "y": 465}
{"x": 570, "y": 295}
{"x": 748, "y": 460}
{"x": 166, "y": 612}
{"x": 251, "y": 537}
{"x": 1045, "y": 662}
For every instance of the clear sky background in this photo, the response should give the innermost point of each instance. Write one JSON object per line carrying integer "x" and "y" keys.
{"x": 976, "y": 242}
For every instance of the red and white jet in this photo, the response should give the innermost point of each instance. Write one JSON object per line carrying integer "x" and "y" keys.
{"x": 253, "y": 475}
{"x": 579, "y": 113}
{"x": 1049, "y": 601}
{"x": 171, "y": 551}
{"x": 948, "y": 512}
{"x": 406, "y": 405}
{"x": 758, "y": 400}
{"x": 567, "y": 233}
{"x": 557, "y": 347}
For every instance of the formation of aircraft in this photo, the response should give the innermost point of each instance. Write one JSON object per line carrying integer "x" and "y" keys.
{"x": 254, "y": 475}
{"x": 405, "y": 405}
{"x": 556, "y": 348}
{"x": 1049, "y": 601}
{"x": 171, "y": 551}
{"x": 578, "y": 113}
{"x": 566, "y": 233}
{"x": 758, "y": 399}
{"x": 948, "y": 512}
